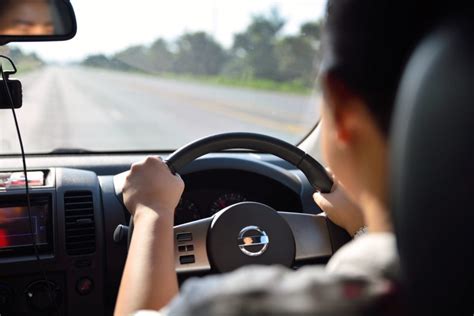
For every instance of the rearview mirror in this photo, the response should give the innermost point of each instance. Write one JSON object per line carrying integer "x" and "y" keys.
{"x": 36, "y": 20}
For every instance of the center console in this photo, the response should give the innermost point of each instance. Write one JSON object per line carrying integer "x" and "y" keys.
{"x": 21, "y": 228}
{"x": 60, "y": 227}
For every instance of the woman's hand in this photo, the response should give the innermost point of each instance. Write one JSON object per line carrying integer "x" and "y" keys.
{"x": 151, "y": 193}
{"x": 150, "y": 186}
{"x": 340, "y": 209}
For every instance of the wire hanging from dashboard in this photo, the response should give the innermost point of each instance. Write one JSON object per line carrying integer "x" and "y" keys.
{"x": 27, "y": 188}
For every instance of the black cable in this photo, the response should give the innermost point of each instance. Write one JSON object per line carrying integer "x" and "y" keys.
{"x": 27, "y": 188}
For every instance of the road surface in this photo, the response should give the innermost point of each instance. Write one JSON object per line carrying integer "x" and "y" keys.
{"x": 101, "y": 110}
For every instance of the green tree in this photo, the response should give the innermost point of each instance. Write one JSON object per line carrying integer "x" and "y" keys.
{"x": 256, "y": 45}
{"x": 98, "y": 60}
{"x": 199, "y": 54}
{"x": 133, "y": 57}
{"x": 296, "y": 57}
{"x": 260, "y": 51}
{"x": 312, "y": 30}
{"x": 23, "y": 61}
{"x": 160, "y": 58}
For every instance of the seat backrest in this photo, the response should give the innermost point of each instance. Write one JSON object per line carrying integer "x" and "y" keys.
{"x": 432, "y": 169}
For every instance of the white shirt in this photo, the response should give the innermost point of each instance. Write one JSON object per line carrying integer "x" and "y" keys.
{"x": 367, "y": 261}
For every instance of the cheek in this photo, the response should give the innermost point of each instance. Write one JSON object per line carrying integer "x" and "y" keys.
{"x": 333, "y": 154}
{"x": 325, "y": 147}
{"x": 327, "y": 139}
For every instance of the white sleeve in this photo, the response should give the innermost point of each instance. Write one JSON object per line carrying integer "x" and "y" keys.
{"x": 271, "y": 290}
{"x": 312, "y": 290}
{"x": 150, "y": 313}
{"x": 198, "y": 293}
{"x": 372, "y": 255}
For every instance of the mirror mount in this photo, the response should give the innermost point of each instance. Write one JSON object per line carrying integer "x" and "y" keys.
{"x": 13, "y": 96}
{"x": 8, "y": 73}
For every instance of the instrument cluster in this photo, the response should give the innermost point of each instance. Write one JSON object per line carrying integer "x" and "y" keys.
{"x": 208, "y": 192}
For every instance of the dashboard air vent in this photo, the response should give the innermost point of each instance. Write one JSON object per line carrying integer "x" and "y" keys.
{"x": 80, "y": 225}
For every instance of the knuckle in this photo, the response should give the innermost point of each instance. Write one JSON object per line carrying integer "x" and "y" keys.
{"x": 179, "y": 179}
{"x": 135, "y": 166}
{"x": 150, "y": 159}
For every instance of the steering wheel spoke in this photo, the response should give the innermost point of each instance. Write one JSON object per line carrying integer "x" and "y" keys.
{"x": 190, "y": 246}
{"x": 311, "y": 235}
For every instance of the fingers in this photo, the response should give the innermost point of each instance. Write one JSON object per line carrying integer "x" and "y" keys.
{"x": 323, "y": 200}
{"x": 150, "y": 183}
{"x": 151, "y": 164}
{"x": 317, "y": 197}
{"x": 149, "y": 161}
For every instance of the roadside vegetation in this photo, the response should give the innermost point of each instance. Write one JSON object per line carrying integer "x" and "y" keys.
{"x": 260, "y": 57}
{"x": 24, "y": 62}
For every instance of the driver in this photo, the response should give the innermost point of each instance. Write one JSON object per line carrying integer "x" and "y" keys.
{"x": 366, "y": 46}
{"x": 26, "y": 17}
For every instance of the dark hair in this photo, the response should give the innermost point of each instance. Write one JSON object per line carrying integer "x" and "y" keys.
{"x": 368, "y": 42}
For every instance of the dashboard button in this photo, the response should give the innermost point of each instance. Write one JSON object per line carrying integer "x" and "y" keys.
{"x": 183, "y": 237}
{"x": 187, "y": 259}
{"x": 43, "y": 296}
{"x": 6, "y": 296}
{"x": 84, "y": 286}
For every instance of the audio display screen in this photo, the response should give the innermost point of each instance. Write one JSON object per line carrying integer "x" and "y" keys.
{"x": 18, "y": 231}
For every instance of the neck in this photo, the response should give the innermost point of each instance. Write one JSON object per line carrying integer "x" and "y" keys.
{"x": 376, "y": 214}
{"x": 374, "y": 168}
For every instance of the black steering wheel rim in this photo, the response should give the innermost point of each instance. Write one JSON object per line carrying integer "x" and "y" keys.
{"x": 314, "y": 171}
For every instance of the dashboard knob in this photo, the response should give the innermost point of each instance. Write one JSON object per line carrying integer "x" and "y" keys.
{"x": 121, "y": 233}
{"x": 6, "y": 298}
{"x": 84, "y": 286}
{"x": 43, "y": 296}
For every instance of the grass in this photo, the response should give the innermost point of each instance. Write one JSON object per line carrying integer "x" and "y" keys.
{"x": 294, "y": 87}
{"x": 26, "y": 67}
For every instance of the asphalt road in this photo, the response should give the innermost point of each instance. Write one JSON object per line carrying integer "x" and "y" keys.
{"x": 99, "y": 110}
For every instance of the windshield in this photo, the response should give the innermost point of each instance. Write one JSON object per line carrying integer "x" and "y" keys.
{"x": 151, "y": 76}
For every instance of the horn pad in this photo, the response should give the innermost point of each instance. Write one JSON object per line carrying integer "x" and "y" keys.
{"x": 249, "y": 233}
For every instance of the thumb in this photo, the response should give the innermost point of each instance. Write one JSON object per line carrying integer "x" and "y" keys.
{"x": 320, "y": 199}
{"x": 317, "y": 197}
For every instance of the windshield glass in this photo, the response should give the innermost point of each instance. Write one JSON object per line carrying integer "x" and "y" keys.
{"x": 150, "y": 75}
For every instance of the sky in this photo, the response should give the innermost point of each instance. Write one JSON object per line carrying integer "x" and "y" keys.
{"x": 107, "y": 26}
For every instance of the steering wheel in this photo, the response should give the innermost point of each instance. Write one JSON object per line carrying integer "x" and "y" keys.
{"x": 250, "y": 232}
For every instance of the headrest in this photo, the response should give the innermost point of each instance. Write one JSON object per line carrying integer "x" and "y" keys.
{"x": 432, "y": 169}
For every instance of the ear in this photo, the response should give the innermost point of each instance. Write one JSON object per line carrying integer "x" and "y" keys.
{"x": 342, "y": 104}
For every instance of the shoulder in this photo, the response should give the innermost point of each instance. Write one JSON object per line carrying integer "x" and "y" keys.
{"x": 150, "y": 313}
{"x": 203, "y": 294}
{"x": 371, "y": 255}
{"x": 258, "y": 290}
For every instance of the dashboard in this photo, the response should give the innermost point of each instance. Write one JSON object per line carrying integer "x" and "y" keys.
{"x": 227, "y": 187}
{"x": 76, "y": 211}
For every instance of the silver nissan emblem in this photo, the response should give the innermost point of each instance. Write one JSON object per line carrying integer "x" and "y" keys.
{"x": 253, "y": 241}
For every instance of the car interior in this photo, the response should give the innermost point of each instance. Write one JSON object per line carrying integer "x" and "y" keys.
{"x": 64, "y": 230}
